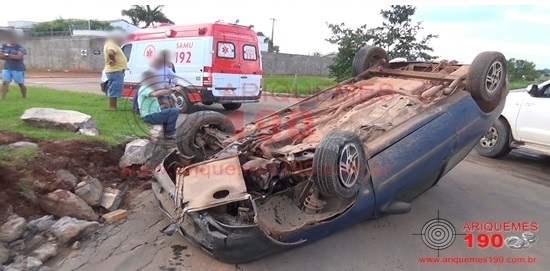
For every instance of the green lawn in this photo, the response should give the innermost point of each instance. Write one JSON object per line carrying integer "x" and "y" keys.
{"x": 520, "y": 84}
{"x": 114, "y": 126}
{"x": 296, "y": 85}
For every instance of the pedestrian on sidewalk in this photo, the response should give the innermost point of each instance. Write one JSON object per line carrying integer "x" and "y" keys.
{"x": 12, "y": 53}
{"x": 115, "y": 67}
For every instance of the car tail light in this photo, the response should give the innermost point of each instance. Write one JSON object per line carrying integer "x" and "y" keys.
{"x": 207, "y": 76}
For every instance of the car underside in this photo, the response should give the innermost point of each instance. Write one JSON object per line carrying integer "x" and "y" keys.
{"x": 304, "y": 165}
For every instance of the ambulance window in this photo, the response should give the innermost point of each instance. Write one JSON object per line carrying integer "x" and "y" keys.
{"x": 250, "y": 52}
{"x": 127, "y": 50}
{"x": 226, "y": 50}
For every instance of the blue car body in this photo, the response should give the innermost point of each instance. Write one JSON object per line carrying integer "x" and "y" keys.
{"x": 408, "y": 160}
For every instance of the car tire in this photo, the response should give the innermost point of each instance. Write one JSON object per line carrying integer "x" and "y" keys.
{"x": 496, "y": 142}
{"x": 487, "y": 76}
{"x": 232, "y": 106}
{"x": 192, "y": 125}
{"x": 182, "y": 103}
{"x": 367, "y": 57}
{"x": 336, "y": 150}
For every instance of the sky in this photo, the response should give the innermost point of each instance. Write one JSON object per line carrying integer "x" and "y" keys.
{"x": 465, "y": 27}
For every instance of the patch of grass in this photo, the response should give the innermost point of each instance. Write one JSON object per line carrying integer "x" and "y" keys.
{"x": 296, "y": 85}
{"x": 114, "y": 126}
{"x": 26, "y": 189}
{"x": 520, "y": 84}
{"x": 17, "y": 155}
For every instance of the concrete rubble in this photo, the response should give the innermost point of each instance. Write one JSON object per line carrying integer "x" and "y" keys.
{"x": 90, "y": 190}
{"x": 64, "y": 203}
{"x": 111, "y": 198}
{"x": 69, "y": 229}
{"x": 13, "y": 229}
{"x": 66, "y": 177}
{"x": 137, "y": 152}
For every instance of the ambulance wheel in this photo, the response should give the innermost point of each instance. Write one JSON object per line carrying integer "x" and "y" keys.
{"x": 182, "y": 103}
{"x": 232, "y": 106}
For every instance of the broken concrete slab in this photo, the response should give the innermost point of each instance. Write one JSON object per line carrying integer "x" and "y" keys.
{"x": 13, "y": 229}
{"x": 137, "y": 152}
{"x": 90, "y": 190}
{"x": 23, "y": 144}
{"x": 66, "y": 177}
{"x": 115, "y": 216}
{"x": 64, "y": 203}
{"x": 68, "y": 229}
{"x": 111, "y": 198}
{"x": 58, "y": 119}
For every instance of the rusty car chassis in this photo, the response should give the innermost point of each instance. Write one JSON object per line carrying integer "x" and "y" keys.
{"x": 296, "y": 175}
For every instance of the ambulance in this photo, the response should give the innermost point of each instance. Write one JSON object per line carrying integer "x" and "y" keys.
{"x": 215, "y": 63}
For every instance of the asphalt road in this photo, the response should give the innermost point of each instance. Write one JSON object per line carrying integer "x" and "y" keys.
{"x": 514, "y": 189}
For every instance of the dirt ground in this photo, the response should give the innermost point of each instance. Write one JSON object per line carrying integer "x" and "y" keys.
{"x": 93, "y": 158}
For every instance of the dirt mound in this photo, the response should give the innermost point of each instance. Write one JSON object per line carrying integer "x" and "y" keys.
{"x": 27, "y": 177}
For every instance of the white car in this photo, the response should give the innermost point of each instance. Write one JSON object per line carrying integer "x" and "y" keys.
{"x": 524, "y": 123}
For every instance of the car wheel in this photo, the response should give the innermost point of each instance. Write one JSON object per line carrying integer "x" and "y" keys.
{"x": 190, "y": 135}
{"x": 232, "y": 106}
{"x": 496, "y": 142}
{"x": 367, "y": 57}
{"x": 339, "y": 164}
{"x": 487, "y": 76}
{"x": 182, "y": 103}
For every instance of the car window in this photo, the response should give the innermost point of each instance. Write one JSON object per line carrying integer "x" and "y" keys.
{"x": 226, "y": 50}
{"x": 127, "y": 50}
{"x": 546, "y": 93}
{"x": 250, "y": 52}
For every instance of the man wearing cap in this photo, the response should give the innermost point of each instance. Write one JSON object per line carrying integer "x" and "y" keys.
{"x": 14, "y": 69}
{"x": 115, "y": 66}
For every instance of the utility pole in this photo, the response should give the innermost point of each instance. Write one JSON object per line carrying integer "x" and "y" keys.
{"x": 272, "y": 31}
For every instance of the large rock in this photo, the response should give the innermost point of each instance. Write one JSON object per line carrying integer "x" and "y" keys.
{"x": 90, "y": 190}
{"x": 59, "y": 119}
{"x": 45, "y": 251}
{"x": 137, "y": 152}
{"x": 69, "y": 229}
{"x": 64, "y": 203}
{"x": 13, "y": 229}
{"x": 43, "y": 223}
{"x": 4, "y": 254}
{"x": 66, "y": 177}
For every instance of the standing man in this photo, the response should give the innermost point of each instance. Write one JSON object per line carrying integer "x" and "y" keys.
{"x": 115, "y": 66}
{"x": 14, "y": 69}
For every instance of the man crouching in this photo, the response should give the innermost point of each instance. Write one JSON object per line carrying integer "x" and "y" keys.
{"x": 149, "y": 107}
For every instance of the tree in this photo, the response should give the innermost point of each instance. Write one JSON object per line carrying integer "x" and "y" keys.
{"x": 270, "y": 46}
{"x": 145, "y": 14}
{"x": 316, "y": 54}
{"x": 521, "y": 69}
{"x": 398, "y": 35}
{"x": 61, "y": 24}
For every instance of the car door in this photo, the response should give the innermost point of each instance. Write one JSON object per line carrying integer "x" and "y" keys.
{"x": 250, "y": 67}
{"x": 533, "y": 122}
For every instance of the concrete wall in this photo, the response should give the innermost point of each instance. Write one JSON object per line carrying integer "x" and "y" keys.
{"x": 77, "y": 54}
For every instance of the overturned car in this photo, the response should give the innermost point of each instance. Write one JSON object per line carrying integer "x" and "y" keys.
{"x": 361, "y": 149}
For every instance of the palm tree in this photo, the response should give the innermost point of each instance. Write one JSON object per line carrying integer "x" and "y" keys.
{"x": 145, "y": 14}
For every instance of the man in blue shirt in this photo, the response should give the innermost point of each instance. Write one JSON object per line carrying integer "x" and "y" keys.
{"x": 14, "y": 69}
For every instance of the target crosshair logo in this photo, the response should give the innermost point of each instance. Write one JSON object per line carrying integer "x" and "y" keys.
{"x": 438, "y": 234}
